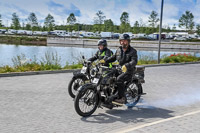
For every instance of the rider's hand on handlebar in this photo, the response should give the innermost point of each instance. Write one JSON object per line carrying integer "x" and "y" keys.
{"x": 124, "y": 69}
{"x": 102, "y": 61}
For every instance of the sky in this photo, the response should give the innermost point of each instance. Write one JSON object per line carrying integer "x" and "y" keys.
{"x": 85, "y": 10}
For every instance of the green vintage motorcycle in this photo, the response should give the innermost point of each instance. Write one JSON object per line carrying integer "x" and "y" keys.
{"x": 102, "y": 90}
{"x": 81, "y": 77}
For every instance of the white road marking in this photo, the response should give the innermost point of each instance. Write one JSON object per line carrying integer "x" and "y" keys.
{"x": 157, "y": 122}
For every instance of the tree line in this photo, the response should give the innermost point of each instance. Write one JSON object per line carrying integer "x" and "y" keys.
{"x": 186, "y": 21}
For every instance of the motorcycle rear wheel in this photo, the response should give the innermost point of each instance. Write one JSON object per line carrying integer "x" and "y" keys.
{"x": 86, "y": 102}
{"x": 133, "y": 94}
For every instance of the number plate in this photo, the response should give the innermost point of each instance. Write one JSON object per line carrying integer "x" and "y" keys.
{"x": 95, "y": 80}
{"x": 83, "y": 70}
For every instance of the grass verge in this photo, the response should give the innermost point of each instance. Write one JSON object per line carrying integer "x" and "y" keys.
{"x": 51, "y": 61}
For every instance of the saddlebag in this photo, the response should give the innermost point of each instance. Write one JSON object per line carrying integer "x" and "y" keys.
{"x": 139, "y": 73}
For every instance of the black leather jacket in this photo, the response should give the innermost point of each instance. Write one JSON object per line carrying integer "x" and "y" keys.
{"x": 128, "y": 58}
{"x": 104, "y": 54}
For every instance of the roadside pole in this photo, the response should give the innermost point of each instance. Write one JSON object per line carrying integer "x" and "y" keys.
{"x": 160, "y": 30}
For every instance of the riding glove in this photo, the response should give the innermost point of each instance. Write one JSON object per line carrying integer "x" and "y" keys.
{"x": 124, "y": 69}
{"x": 102, "y": 61}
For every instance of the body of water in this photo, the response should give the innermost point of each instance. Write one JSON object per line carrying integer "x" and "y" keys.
{"x": 68, "y": 54}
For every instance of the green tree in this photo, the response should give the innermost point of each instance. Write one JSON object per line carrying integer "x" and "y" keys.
{"x": 124, "y": 18}
{"x": 49, "y": 22}
{"x": 32, "y": 20}
{"x": 174, "y": 27}
{"x": 198, "y": 29}
{"x": 71, "y": 19}
{"x": 186, "y": 21}
{"x": 28, "y": 27}
{"x": 125, "y": 25}
{"x": 44, "y": 28}
{"x": 108, "y": 25}
{"x": 96, "y": 27}
{"x": 0, "y": 21}
{"x": 136, "y": 27}
{"x": 15, "y": 21}
{"x": 100, "y": 18}
{"x": 153, "y": 19}
{"x": 98, "y": 21}
{"x": 116, "y": 28}
{"x": 77, "y": 27}
{"x": 148, "y": 30}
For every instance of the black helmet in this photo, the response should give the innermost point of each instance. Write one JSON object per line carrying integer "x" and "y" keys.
{"x": 102, "y": 42}
{"x": 125, "y": 37}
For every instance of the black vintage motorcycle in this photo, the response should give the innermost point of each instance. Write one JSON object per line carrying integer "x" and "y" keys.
{"x": 102, "y": 90}
{"x": 81, "y": 77}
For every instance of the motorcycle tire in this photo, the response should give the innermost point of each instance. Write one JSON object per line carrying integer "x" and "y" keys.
{"x": 73, "y": 89}
{"x": 89, "y": 101}
{"x": 137, "y": 97}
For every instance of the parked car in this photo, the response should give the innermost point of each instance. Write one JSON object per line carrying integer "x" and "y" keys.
{"x": 130, "y": 34}
{"x": 60, "y": 33}
{"x": 29, "y": 32}
{"x": 116, "y": 35}
{"x": 88, "y": 34}
{"x": 2, "y": 31}
{"x": 149, "y": 37}
{"x": 152, "y": 36}
{"x": 11, "y": 32}
{"x": 52, "y": 33}
{"x": 192, "y": 36}
{"x": 179, "y": 38}
{"x": 106, "y": 34}
{"x": 21, "y": 32}
{"x": 139, "y": 35}
{"x": 44, "y": 33}
{"x": 37, "y": 33}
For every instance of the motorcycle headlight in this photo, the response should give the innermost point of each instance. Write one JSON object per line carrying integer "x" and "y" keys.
{"x": 93, "y": 72}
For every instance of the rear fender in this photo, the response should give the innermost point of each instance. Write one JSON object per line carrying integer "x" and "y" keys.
{"x": 140, "y": 88}
{"x": 138, "y": 83}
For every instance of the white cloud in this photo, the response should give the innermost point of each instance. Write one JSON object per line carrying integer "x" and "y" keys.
{"x": 187, "y": 1}
{"x": 112, "y": 9}
{"x": 170, "y": 13}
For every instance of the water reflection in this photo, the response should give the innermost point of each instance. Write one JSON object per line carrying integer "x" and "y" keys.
{"x": 71, "y": 54}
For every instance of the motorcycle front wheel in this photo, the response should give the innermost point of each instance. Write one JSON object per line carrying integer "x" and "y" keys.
{"x": 74, "y": 84}
{"x": 86, "y": 102}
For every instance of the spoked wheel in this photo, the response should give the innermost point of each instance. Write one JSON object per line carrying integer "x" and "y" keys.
{"x": 86, "y": 102}
{"x": 133, "y": 94}
{"x": 73, "y": 86}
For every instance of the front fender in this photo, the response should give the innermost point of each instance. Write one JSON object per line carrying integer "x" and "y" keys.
{"x": 80, "y": 75}
{"x": 88, "y": 85}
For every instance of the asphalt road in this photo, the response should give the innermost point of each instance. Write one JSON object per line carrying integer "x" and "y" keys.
{"x": 41, "y": 104}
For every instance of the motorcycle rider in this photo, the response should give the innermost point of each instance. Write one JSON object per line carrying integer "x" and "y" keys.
{"x": 127, "y": 58}
{"x": 102, "y": 53}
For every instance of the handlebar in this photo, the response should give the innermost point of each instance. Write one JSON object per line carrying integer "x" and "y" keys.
{"x": 114, "y": 69}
